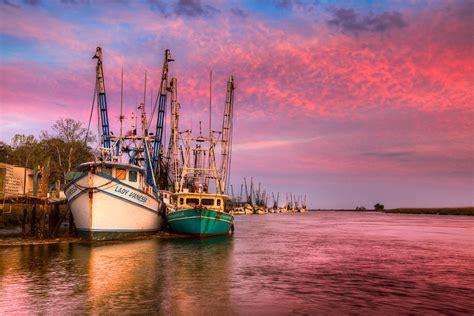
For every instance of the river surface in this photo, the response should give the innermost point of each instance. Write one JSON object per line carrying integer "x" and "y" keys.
{"x": 310, "y": 263}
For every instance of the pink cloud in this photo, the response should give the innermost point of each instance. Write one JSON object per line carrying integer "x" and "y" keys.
{"x": 392, "y": 103}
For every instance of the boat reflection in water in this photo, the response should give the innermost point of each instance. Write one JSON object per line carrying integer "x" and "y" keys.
{"x": 177, "y": 276}
{"x": 119, "y": 275}
{"x": 171, "y": 276}
{"x": 198, "y": 276}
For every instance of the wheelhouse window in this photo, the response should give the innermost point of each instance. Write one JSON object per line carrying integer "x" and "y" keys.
{"x": 207, "y": 201}
{"x": 192, "y": 201}
{"x": 132, "y": 176}
{"x": 120, "y": 174}
{"x": 181, "y": 201}
{"x": 107, "y": 171}
{"x": 218, "y": 202}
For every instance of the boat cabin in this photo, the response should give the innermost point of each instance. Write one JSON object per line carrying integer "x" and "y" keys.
{"x": 128, "y": 174}
{"x": 216, "y": 202}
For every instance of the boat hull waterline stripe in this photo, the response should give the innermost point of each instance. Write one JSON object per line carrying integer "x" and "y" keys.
{"x": 206, "y": 217}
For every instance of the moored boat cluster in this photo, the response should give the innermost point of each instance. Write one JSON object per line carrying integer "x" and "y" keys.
{"x": 256, "y": 200}
{"x": 138, "y": 183}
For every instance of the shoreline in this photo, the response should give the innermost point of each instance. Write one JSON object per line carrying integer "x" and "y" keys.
{"x": 19, "y": 241}
{"x": 462, "y": 211}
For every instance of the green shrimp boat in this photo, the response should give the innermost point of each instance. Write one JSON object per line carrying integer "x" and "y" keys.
{"x": 200, "y": 214}
{"x": 193, "y": 210}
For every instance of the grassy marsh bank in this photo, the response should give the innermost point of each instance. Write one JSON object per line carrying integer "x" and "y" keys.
{"x": 434, "y": 211}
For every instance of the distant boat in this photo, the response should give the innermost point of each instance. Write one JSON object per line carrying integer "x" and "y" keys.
{"x": 259, "y": 210}
{"x": 248, "y": 209}
{"x": 238, "y": 211}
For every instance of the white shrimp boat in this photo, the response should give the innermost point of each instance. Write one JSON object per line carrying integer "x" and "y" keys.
{"x": 112, "y": 201}
{"x": 116, "y": 196}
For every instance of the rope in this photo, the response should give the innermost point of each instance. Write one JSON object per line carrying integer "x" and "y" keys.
{"x": 100, "y": 186}
{"x": 90, "y": 117}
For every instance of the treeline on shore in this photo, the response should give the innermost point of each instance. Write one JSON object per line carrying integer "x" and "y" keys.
{"x": 57, "y": 152}
{"x": 433, "y": 211}
{"x": 436, "y": 210}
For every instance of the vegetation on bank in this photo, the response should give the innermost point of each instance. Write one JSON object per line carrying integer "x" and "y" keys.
{"x": 432, "y": 211}
{"x": 437, "y": 211}
{"x": 59, "y": 151}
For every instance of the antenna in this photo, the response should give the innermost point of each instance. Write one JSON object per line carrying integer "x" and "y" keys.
{"x": 210, "y": 102}
{"x": 144, "y": 92}
{"x": 121, "y": 104}
{"x": 151, "y": 101}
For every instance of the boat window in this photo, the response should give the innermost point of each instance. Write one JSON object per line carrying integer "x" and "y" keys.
{"x": 120, "y": 174}
{"x": 218, "y": 202}
{"x": 181, "y": 201}
{"x": 132, "y": 176}
{"x": 192, "y": 201}
{"x": 107, "y": 171}
{"x": 207, "y": 201}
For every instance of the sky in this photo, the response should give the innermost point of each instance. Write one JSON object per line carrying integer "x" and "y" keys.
{"x": 350, "y": 103}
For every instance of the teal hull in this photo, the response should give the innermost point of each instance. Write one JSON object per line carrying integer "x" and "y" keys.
{"x": 200, "y": 223}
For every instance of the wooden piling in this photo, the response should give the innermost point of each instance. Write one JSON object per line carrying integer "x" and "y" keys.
{"x": 23, "y": 223}
{"x": 54, "y": 220}
{"x": 71, "y": 222}
{"x": 33, "y": 220}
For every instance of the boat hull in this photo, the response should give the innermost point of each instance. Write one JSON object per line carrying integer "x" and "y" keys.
{"x": 201, "y": 223}
{"x": 104, "y": 208}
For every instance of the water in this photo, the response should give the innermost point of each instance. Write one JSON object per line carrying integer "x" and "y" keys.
{"x": 311, "y": 263}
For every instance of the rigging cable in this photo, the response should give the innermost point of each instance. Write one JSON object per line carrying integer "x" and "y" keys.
{"x": 90, "y": 117}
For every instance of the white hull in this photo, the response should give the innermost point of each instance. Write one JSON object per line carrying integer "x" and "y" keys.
{"x": 105, "y": 208}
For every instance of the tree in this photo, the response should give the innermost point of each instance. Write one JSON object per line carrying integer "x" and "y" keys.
{"x": 22, "y": 140}
{"x": 5, "y": 152}
{"x": 379, "y": 207}
{"x": 70, "y": 131}
{"x": 25, "y": 151}
{"x": 67, "y": 148}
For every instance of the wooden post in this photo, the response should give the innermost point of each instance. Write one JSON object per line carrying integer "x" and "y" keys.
{"x": 71, "y": 222}
{"x": 44, "y": 193}
{"x": 23, "y": 223}
{"x": 33, "y": 220}
{"x": 43, "y": 232}
{"x": 54, "y": 220}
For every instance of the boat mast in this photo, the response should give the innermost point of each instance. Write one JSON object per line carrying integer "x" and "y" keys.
{"x": 173, "y": 149}
{"x": 227, "y": 135}
{"x": 246, "y": 192}
{"x": 161, "y": 111}
{"x": 144, "y": 124}
{"x": 240, "y": 196}
{"x": 102, "y": 99}
{"x": 184, "y": 172}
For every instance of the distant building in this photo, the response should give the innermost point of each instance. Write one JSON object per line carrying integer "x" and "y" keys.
{"x": 15, "y": 181}
{"x": 379, "y": 207}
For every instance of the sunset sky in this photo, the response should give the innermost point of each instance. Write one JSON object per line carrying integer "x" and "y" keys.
{"x": 349, "y": 102}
